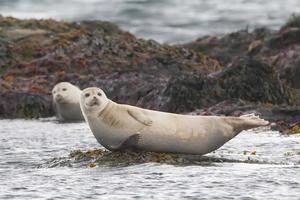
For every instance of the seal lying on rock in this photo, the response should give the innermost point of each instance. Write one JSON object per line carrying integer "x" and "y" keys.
{"x": 66, "y": 101}
{"x": 118, "y": 126}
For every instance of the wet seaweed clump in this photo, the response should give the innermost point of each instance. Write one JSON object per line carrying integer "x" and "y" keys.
{"x": 104, "y": 158}
{"x": 87, "y": 155}
{"x": 294, "y": 21}
{"x": 101, "y": 157}
{"x": 295, "y": 129}
{"x": 108, "y": 158}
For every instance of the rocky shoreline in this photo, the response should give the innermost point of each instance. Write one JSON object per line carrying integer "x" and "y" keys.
{"x": 246, "y": 71}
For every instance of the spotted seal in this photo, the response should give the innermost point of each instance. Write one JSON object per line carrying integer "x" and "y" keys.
{"x": 119, "y": 126}
{"x": 66, "y": 101}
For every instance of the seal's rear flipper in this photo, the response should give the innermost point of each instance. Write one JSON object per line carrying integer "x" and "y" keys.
{"x": 245, "y": 122}
{"x": 255, "y": 120}
{"x": 130, "y": 143}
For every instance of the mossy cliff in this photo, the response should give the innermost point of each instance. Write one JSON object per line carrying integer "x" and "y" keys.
{"x": 37, "y": 54}
{"x": 280, "y": 50}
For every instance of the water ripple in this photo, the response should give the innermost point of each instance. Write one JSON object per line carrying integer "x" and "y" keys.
{"x": 37, "y": 161}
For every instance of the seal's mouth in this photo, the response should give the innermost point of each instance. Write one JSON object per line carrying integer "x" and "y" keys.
{"x": 93, "y": 102}
{"x": 59, "y": 99}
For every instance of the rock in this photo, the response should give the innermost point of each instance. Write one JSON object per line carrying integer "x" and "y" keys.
{"x": 226, "y": 48}
{"x": 100, "y": 157}
{"x": 284, "y": 38}
{"x": 37, "y": 54}
{"x": 4, "y": 54}
{"x": 252, "y": 80}
{"x": 279, "y": 49}
{"x": 95, "y": 53}
{"x": 287, "y": 64}
{"x": 24, "y": 105}
{"x": 294, "y": 21}
{"x": 285, "y": 119}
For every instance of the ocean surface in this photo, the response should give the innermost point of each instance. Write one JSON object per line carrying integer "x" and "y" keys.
{"x": 257, "y": 164}
{"x": 28, "y": 146}
{"x": 170, "y": 21}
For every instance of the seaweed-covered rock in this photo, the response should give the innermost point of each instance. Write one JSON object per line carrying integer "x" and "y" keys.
{"x": 285, "y": 119}
{"x": 3, "y": 54}
{"x": 24, "y": 105}
{"x": 282, "y": 50}
{"x": 279, "y": 49}
{"x": 37, "y": 54}
{"x": 284, "y": 38}
{"x": 252, "y": 80}
{"x": 100, "y": 157}
{"x": 93, "y": 53}
{"x": 294, "y": 21}
{"x": 226, "y": 48}
{"x": 287, "y": 64}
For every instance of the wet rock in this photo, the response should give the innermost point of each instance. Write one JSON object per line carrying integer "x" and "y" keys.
{"x": 252, "y": 80}
{"x": 95, "y": 53}
{"x": 285, "y": 38}
{"x": 139, "y": 72}
{"x": 294, "y": 21}
{"x": 288, "y": 65}
{"x": 226, "y": 48}
{"x": 282, "y": 52}
{"x": 24, "y": 105}
{"x": 279, "y": 49}
{"x": 100, "y": 157}
{"x": 295, "y": 129}
{"x": 4, "y": 54}
{"x": 285, "y": 119}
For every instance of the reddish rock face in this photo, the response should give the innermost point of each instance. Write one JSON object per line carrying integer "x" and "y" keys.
{"x": 37, "y": 54}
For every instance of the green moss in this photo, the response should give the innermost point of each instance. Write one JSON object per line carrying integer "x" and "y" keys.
{"x": 249, "y": 153}
{"x": 78, "y": 154}
{"x": 92, "y": 165}
{"x": 31, "y": 112}
{"x": 46, "y": 24}
{"x": 288, "y": 153}
{"x": 294, "y": 21}
{"x": 32, "y": 107}
{"x": 3, "y": 69}
{"x": 29, "y": 52}
{"x": 105, "y": 157}
{"x": 295, "y": 130}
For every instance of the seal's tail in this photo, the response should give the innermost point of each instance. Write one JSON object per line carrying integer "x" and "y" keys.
{"x": 254, "y": 120}
{"x": 245, "y": 122}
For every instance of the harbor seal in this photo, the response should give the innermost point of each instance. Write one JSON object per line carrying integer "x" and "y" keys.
{"x": 66, "y": 102}
{"x": 120, "y": 126}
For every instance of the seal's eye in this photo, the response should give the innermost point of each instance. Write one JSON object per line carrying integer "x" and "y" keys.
{"x": 64, "y": 89}
{"x": 87, "y": 95}
{"x": 99, "y": 94}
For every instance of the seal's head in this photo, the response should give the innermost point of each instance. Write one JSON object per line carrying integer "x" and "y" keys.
{"x": 93, "y": 99}
{"x": 65, "y": 92}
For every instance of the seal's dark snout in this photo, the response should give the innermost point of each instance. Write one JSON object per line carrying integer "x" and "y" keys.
{"x": 58, "y": 97}
{"x": 94, "y": 101}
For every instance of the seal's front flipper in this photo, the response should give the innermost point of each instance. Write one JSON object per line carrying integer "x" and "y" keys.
{"x": 129, "y": 143}
{"x": 140, "y": 117}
